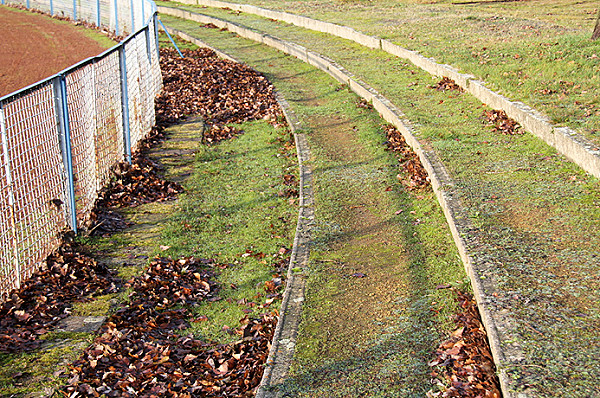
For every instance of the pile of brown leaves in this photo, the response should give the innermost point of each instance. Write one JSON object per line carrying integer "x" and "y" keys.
{"x": 447, "y": 84}
{"x": 140, "y": 353}
{"x": 468, "y": 368}
{"x": 137, "y": 184}
{"x": 408, "y": 160}
{"x": 45, "y": 298}
{"x": 292, "y": 185}
{"x": 362, "y": 103}
{"x": 502, "y": 123}
{"x": 131, "y": 186}
{"x": 219, "y": 90}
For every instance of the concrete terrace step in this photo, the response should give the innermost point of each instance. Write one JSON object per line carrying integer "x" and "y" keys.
{"x": 566, "y": 141}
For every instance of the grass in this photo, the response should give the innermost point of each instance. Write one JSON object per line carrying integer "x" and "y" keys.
{"x": 536, "y": 52}
{"x": 376, "y": 336}
{"x": 233, "y": 211}
{"x": 232, "y": 207}
{"x": 536, "y": 214}
{"x": 40, "y": 370}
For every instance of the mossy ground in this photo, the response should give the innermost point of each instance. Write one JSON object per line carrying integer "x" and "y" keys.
{"x": 536, "y": 214}
{"x": 359, "y": 336}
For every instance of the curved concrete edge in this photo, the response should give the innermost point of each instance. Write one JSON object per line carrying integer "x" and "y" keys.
{"x": 283, "y": 344}
{"x": 284, "y": 339}
{"x": 568, "y": 142}
{"x": 480, "y": 271}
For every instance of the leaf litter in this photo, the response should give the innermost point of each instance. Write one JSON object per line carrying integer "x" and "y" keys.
{"x": 221, "y": 91}
{"x": 464, "y": 366}
{"x": 447, "y": 84}
{"x": 46, "y": 297}
{"x": 501, "y": 123}
{"x": 140, "y": 350}
{"x": 409, "y": 161}
{"x": 140, "y": 353}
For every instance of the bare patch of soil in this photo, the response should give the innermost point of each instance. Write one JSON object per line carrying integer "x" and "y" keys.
{"x": 35, "y": 47}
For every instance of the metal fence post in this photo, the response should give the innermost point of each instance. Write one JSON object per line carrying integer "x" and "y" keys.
{"x": 59, "y": 85}
{"x": 155, "y": 24}
{"x": 74, "y": 10}
{"x": 125, "y": 103}
{"x": 115, "y": 6}
{"x": 11, "y": 196}
{"x": 51, "y": 7}
{"x": 27, "y": 4}
{"x": 132, "y": 16}
{"x": 98, "y": 20}
{"x": 148, "y": 49}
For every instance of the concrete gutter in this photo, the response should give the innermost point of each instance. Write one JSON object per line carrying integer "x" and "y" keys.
{"x": 567, "y": 141}
{"x": 480, "y": 270}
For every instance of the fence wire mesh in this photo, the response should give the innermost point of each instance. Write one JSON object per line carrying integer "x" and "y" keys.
{"x": 134, "y": 82}
{"x": 108, "y": 139}
{"x": 122, "y": 16}
{"x": 81, "y": 100}
{"x": 7, "y": 229}
{"x": 61, "y": 137}
{"x": 37, "y": 173}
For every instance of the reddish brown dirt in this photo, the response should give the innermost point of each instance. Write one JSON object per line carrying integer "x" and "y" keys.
{"x": 35, "y": 46}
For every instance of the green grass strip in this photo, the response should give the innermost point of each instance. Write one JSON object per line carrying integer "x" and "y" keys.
{"x": 359, "y": 335}
{"x": 536, "y": 216}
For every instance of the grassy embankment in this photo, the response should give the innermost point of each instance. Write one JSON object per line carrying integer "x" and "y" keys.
{"x": 373, "y": 334}
{"x": 538, "y": 52}
{"x": 535, "y": 213}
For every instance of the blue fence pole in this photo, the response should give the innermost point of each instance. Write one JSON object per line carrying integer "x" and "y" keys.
{"x": 62, "y": 110}
{"x": 144, "y": 20}
{"x": 170, "y": 38}
{"x": 125, "y": 103}
{"x": 148, "y": 50}
{"x": 155, "y": 24}
{"x": 115, "y": 5}
{"x": 132, "y": 16}
{"x": 74, "y": 10}
{"x": 27, "y": 4}
{"x": 51, "y": 7}
{"x": 98, "y": 20}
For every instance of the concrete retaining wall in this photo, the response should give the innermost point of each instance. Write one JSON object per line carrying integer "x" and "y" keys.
{"x": 571, "y": 144}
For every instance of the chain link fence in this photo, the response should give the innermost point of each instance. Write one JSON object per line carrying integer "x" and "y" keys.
{"x": 61, "y": 136}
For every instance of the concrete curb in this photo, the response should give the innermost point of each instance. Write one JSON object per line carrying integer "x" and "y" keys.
{"x": 568, "y": 142}
{"x": 480, "y": 270}
{"x": 284, "y": 338}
